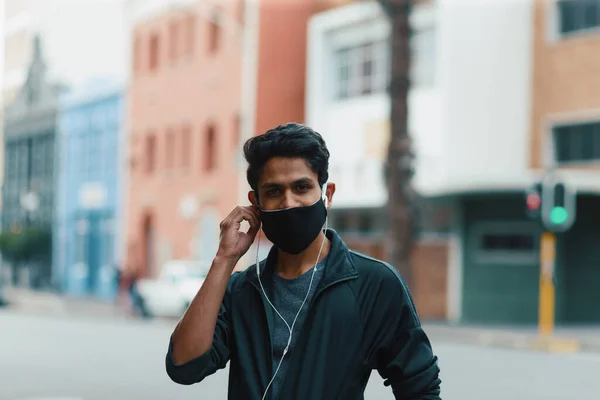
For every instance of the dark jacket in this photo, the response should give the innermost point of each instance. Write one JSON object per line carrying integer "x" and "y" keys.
{"x": 361, "y": 318}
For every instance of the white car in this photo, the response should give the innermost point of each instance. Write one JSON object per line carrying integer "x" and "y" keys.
{"x": 173, "y": 291}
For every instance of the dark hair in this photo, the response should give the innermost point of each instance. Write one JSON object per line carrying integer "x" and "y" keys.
{"x": 289, "y": 140}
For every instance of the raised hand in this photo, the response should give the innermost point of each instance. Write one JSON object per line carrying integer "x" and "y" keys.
{"x": 233, "y": 243}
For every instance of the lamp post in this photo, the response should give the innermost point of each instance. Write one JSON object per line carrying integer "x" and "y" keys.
{"x": 30, "y": 202}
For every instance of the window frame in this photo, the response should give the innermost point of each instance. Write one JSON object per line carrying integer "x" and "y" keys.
{"x": 558, "y": 147}
{"x": 554, "y": 17}
{"x": 505, "y": 257}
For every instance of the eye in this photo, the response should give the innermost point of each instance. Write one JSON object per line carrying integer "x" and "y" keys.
{"x": 303, "y": 187}
{"x": 272, "y": 192}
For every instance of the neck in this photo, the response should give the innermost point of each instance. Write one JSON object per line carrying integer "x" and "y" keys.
{"x": 293, "y": 265}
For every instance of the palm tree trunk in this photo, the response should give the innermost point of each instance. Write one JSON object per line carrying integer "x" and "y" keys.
{"x": 399, "y": 158}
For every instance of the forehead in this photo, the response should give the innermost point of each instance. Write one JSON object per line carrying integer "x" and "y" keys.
{"x": 285, "y": 170}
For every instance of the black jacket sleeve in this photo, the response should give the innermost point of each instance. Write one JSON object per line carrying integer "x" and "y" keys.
{"x": 214, "y": 359}
{"x": 405, "y": 359}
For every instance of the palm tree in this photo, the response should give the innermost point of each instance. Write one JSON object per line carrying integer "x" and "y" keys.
{"x": 399, "y": 164}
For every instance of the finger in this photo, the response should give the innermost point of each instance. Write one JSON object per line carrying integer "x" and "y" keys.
{"x": 254, "y": 209}
{"x": 252, "y": 219}
{"x": 236, "y": 216}
{"x": 229, "y": 218}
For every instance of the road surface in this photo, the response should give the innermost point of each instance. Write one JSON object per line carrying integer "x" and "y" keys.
{"x": 61, "y": 358}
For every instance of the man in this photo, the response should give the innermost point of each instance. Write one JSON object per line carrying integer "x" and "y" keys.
{"x": 312, "y": 320}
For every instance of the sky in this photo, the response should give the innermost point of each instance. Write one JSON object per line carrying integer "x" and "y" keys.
{"x": 1, "y": 49}
{"x": 81, "y": 39}
{"x": 96, "y": 49}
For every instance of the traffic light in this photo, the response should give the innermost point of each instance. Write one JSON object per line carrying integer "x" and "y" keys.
{"x": 558, "y": 213}
{"x": 552, "y": 203}
{"x": 558, "y": 206}
{"x": 533, "y": 200}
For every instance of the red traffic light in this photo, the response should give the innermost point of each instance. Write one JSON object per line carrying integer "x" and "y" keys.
{"x": 534, "y": 201}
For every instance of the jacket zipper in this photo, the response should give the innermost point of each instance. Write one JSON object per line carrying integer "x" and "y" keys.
{"x": 310, "y": 307}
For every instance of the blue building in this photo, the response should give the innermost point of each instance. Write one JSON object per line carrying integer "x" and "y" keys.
{"x": 87, "y": 227}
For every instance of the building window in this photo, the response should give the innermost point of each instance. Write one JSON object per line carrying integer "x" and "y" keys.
{"x": 237, "y": 127}
{"x": 170, "y": 148}
{"x": 340, "y": 222}
{"x": 214, "y": 34}
{"x": 136, "y": 55}
{"x": 240, "y": 10}
{"x": 366, "y": 69}
{"x": 422, "y": 44}
{"x": 577, "y": 142}
{"x": 362, "y": 69}
{"x": 578, "y": 15}
{"x": 11, "y": 160}
{"x": 506, "y": 242}
{"x": 186, "y": 148}
{"x": 154, "y": 52}
{"x": 173, "y": 40}
{"x": 343, "y": 61}
{"x": 366, "y": 222}
{"x": 210, "y": 155}
{"x": 150, "y": 153}
{"x": 190, "y": 34}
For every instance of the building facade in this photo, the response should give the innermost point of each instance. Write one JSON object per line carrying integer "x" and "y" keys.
{"x": 89, "y": 203}
{"x": 235, "y": 76}
{"x": 273, "y": 83}
{"x": 29, "y": 134}
{"x": 470, "y": 156}
{"x": 183, "y": 124}
{"x": 565, "y": 136}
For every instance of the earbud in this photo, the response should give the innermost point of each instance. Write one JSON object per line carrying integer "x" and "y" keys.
{"x": 325, "y": 199}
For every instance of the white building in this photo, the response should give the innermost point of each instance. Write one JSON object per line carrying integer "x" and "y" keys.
{"x": 469, "y": 107}
{"x": 469, "y": 74}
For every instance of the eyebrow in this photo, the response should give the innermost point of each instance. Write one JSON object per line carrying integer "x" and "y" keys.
{"x": 303, "y": 180}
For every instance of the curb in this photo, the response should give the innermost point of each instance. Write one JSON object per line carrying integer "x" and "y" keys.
{"x": 51, "y": 304}
{"x": 557, "y": 344}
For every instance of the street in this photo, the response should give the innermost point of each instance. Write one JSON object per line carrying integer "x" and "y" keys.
{"x": 63, "y": 358}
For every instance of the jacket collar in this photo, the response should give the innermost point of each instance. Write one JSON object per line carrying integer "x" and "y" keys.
{"x": 338, "y": 264}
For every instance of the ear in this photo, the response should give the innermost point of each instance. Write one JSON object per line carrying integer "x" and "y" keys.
{"x": 252, "y": 198}
{"x": 329, "y": 192}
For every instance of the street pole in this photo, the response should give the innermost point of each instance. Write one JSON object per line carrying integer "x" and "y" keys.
{"x": 547, "y": 304}
{"x": 553, "y": 203}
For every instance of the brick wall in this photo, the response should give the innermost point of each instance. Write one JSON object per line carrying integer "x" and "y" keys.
{"x": 566, "y": 82}
{"x": 430, "y": 269}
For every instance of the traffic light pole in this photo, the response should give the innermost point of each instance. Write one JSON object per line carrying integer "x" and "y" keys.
{"x": 547, "y": 305}
{"x": 553, "y": 203}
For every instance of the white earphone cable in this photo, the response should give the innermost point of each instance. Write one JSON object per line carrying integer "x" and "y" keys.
{"x": 290, "y": 328}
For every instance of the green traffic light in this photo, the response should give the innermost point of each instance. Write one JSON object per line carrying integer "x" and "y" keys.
{"x": 558, "y": 215}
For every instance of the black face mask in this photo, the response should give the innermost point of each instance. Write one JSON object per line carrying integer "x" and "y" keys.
{"x": 293, "y": 229}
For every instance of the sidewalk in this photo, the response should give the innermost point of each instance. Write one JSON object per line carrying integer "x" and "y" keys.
{"x": 564, "y": 340}
{"x": 47, "y": 303}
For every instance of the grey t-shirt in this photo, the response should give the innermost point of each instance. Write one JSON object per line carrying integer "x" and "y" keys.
{"x": 287, "y": 295}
